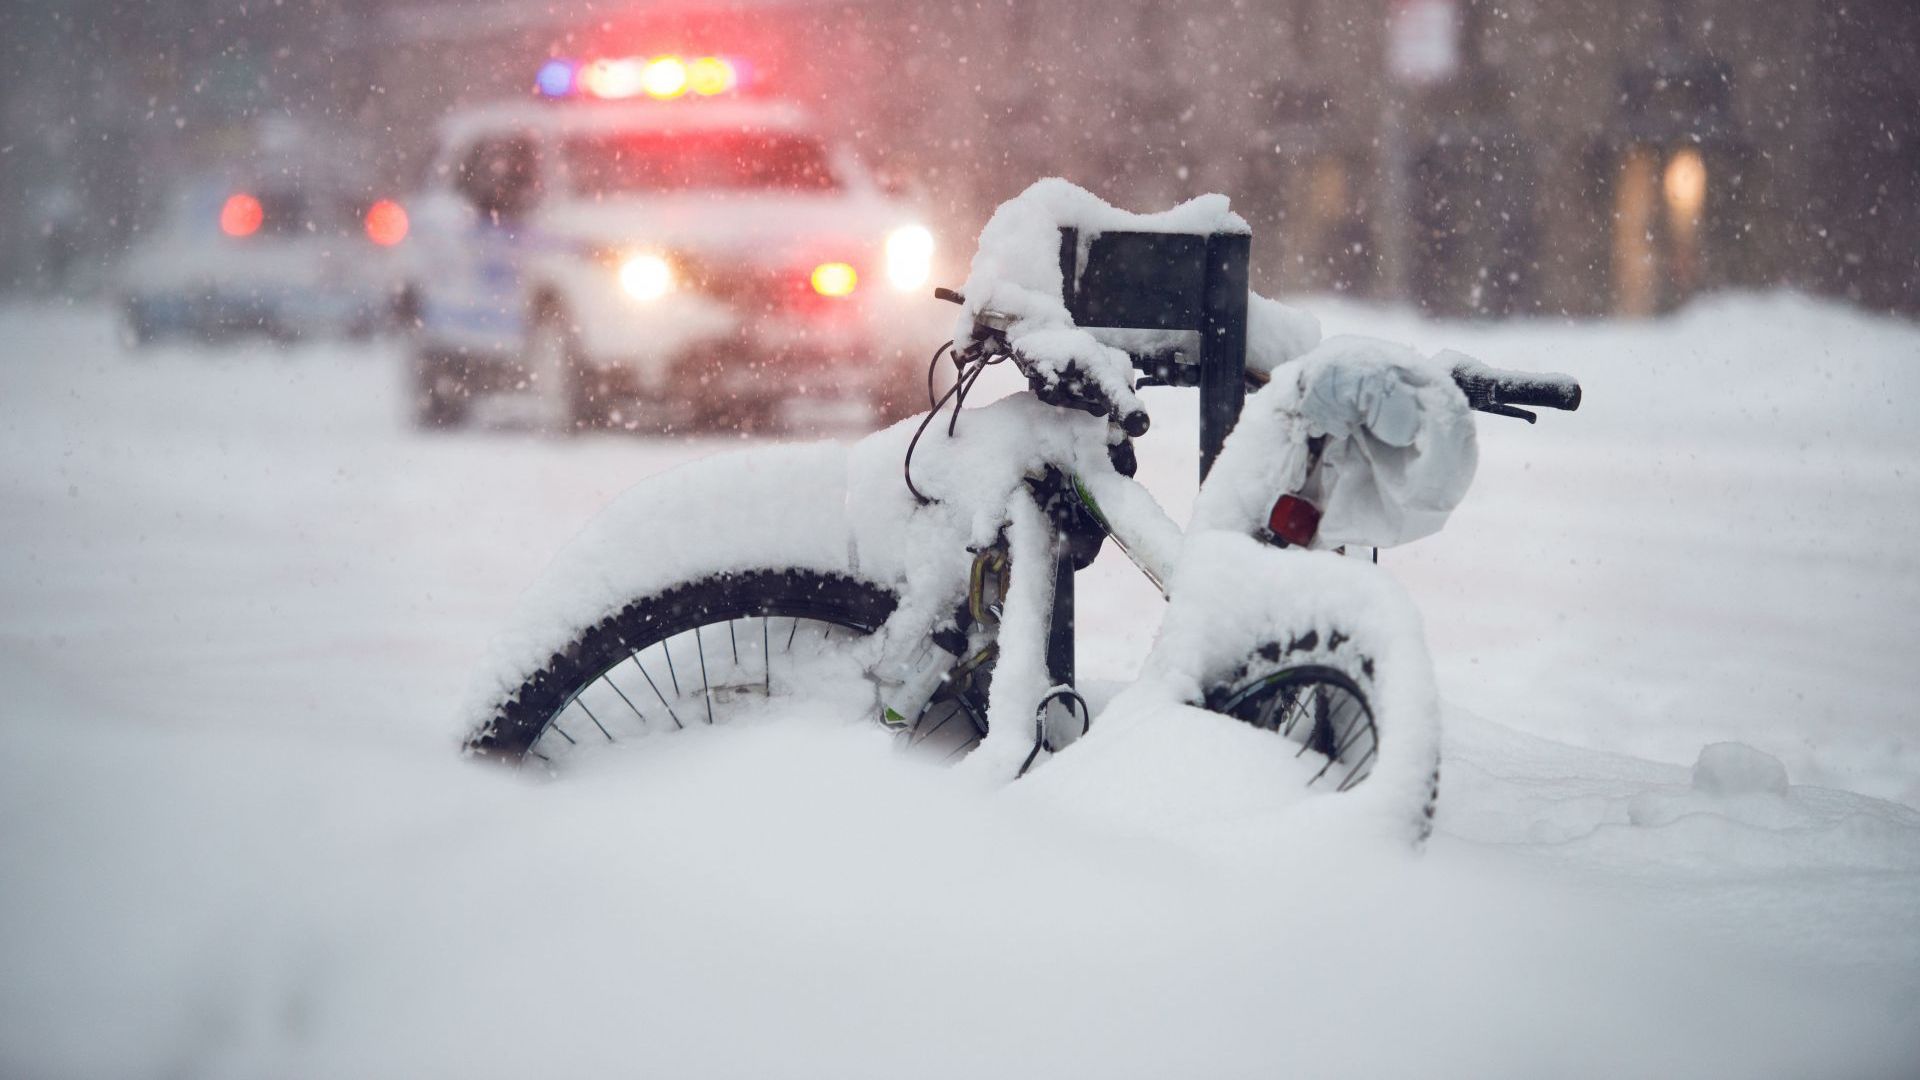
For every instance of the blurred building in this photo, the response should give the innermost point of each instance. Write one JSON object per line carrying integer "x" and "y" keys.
{"x": 1580, "y": 156}
{"x": 1619, "y": 156}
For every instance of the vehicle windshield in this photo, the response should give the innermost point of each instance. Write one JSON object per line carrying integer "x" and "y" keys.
{"x": 650, "y": 162}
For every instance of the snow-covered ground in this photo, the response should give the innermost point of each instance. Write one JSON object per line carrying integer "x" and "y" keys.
{"x": 238, "y": 598}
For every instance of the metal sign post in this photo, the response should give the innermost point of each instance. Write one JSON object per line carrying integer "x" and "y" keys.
{"x": 1159, "y": 281}
{"x": 1171, "y": 281}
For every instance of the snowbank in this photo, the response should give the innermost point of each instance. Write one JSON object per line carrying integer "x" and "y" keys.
{"x": 237, "y": 598}
{"x": 796, "y": 899}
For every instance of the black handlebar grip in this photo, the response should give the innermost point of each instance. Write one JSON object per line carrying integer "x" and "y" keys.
{"x": 1545, "y": 391}
{"x": 1488, "y": 387}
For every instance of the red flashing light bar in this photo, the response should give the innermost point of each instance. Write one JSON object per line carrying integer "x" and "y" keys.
{"x": 620, "y": 78}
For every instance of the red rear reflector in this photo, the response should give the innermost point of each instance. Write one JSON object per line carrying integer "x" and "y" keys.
{"x": 1294, "y": 520}
{"x": 241, "y": 215}
{"x": 386, "y": 223}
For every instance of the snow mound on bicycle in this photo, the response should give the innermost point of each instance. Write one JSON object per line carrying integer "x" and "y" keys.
{"x": 1016, "y": 277}
{"x": 1016, "y": 266}
{"x": 1399, "y": 437}
{"x": 732, "y": 512}
{"x": 823, "y": 507}
{"x": 1140, "y": 762}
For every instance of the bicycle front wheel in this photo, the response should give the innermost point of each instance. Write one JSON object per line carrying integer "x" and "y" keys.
{"x": 1322, "y": 651}
{"x": 1318, "y": 706}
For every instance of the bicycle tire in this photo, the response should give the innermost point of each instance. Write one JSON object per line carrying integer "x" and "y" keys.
{"x": 523, "y": 725}
{"x": 1317, "y": 693}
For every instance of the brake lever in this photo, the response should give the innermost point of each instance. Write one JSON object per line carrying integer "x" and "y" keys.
{"x": 1509, "y": 410}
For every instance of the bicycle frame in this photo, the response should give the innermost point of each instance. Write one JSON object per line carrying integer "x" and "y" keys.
{"x": 1177, "y": 304}
{"x": 1054, "y": 521}
{"x": 1141, "y": 289}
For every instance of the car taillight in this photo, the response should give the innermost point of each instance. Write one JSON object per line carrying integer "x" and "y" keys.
{"x": 241, "y": 215}
{"x": 1294, "y": 520}
{"x": 386, "y": 223}
{"x": 834, "y": 279}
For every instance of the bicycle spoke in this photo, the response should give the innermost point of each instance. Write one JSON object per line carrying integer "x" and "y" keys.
{"x": 623, "y": 697}
{"x": 1360, "y": 769}
{"x": 1296, "y": 712}
{"x": 1269, "y": 719}
{"x": 830, "y": 666}
{"x": 595, "y": 719}
{"x": 706, "y": 685}
{"x": 958, "y": 750}
{"x": 656, "y": 693}
{"x": 1339, "y": 752}
{"x": 1337, "y": 721}
{"x": 933, "y": 730}
{"x": 667, "y": 647}
{"x": 830, "y": 654}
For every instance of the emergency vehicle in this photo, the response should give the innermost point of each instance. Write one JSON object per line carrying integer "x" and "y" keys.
{"x": 642, "y": 244}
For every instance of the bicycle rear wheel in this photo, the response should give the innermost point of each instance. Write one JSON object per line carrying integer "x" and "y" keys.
{"x": 720, "y": 649}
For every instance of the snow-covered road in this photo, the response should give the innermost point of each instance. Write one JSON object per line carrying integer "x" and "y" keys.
{"x": 238, "y": 598}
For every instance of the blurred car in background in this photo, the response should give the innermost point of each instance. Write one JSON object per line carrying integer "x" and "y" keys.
{"x": 644, "y": 245}
{"x": 287, "y": 256}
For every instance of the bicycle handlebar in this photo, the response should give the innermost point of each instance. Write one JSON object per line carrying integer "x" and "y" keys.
{"x": 1487, "y": 389}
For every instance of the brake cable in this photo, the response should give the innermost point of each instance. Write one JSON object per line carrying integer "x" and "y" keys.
{"x": 970, "y": 370}
{"x": 966, "y": 380}
{"x": 932, "y": 366}
{"x": 906, "y": 467}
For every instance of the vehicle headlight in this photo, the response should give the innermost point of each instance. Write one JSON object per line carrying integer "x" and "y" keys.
{"x": 646, "y": 276}
{"x": 909, "y": 257}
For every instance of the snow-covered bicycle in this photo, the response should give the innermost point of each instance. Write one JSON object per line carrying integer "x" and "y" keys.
{"x": 923, "y": 578}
